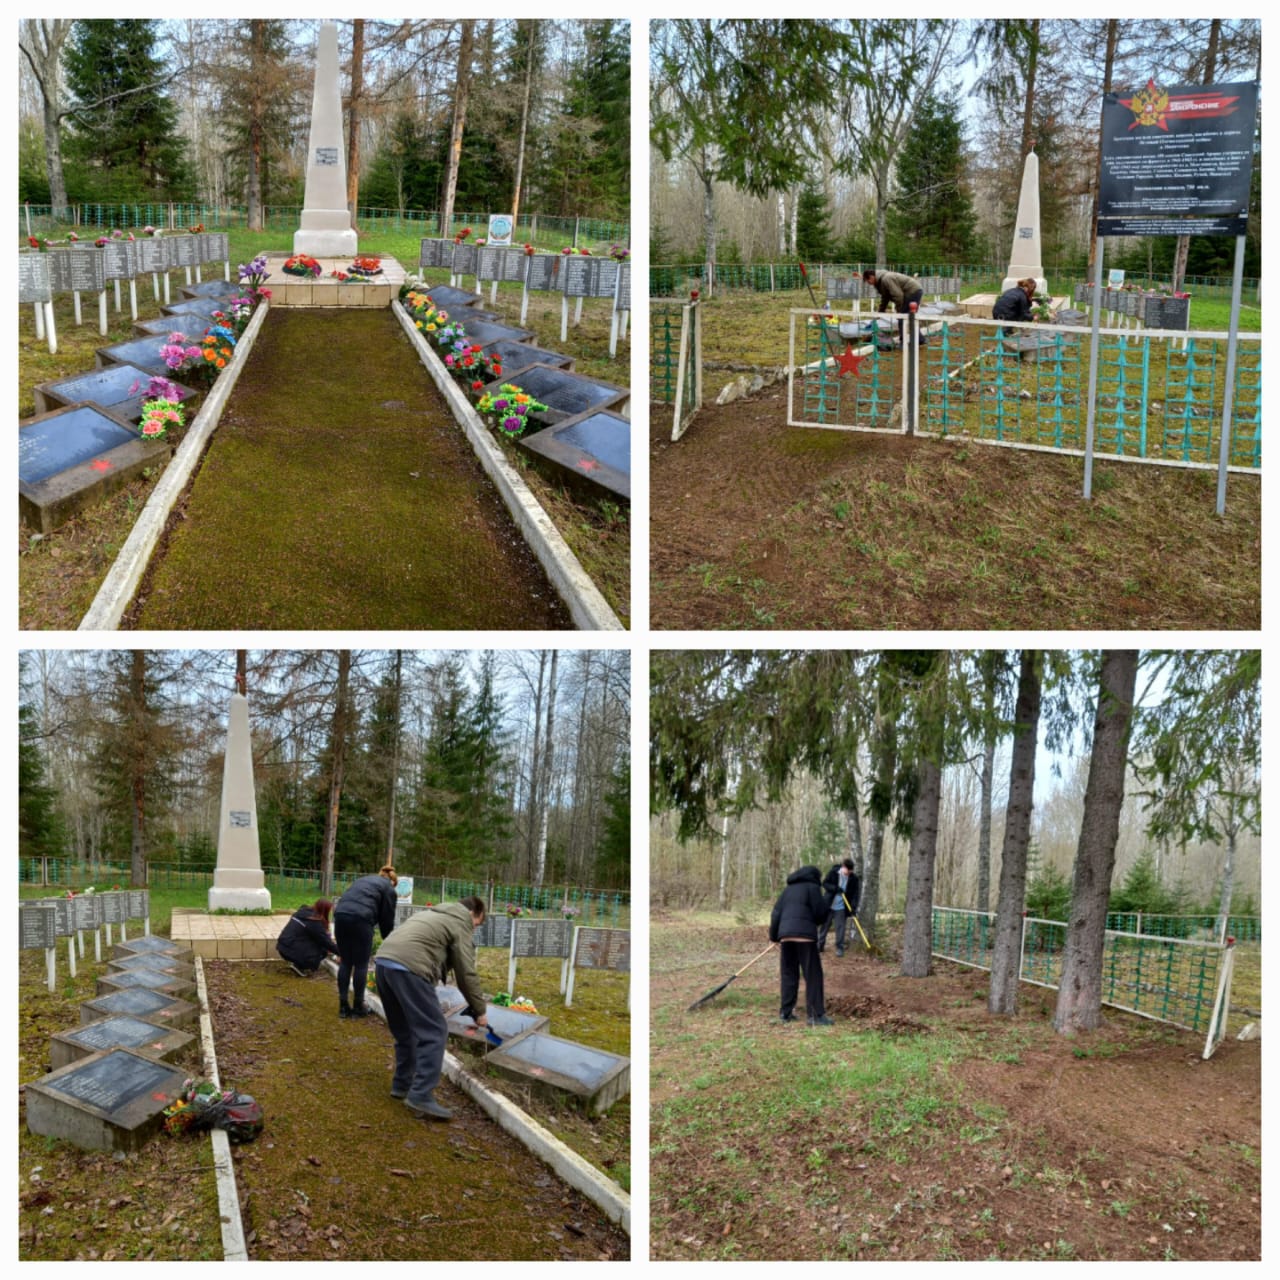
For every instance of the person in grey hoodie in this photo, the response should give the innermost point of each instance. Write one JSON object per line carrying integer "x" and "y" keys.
{"x": 799, "y": 913}
{"x": 407, "y": 968}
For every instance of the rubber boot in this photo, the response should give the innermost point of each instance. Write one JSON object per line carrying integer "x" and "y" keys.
{"x": 344, "y": 1009}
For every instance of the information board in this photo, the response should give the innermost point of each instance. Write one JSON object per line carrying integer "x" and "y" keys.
{"x": 34, "y": 282}
{"x": 37, "y": 927}
{"x": 541, "y": 938}
{"x": 603, "y": 949}
{"x": 1177, "y": 161}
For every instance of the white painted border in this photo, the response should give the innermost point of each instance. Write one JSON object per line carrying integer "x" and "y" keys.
{"x": 234, "y": 1248}
{"x": 588, "y": 608}
{"x": 126, "y": 571}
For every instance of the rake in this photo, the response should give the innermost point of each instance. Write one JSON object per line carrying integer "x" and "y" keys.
{"x": 697, "y": 1004}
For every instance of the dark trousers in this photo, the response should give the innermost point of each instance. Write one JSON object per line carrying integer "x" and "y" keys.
{"x": 798, "y": 958}
{"x": 355, "y": 945}
{"x": 417, "y": 1024}
{"x": 840, "y": 917}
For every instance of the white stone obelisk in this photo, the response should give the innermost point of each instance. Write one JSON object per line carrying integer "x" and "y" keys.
{"x": 326, "y": 222}
{"x": 1025, "y": 261}
{"x": 237, "y": 882}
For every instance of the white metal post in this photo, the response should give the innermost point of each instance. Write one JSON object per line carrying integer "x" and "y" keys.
{"x": 1093, "y": 371}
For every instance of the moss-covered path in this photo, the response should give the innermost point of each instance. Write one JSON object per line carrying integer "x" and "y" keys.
{"x": 342, "y": 1171}
{"x": 339, "y": 492}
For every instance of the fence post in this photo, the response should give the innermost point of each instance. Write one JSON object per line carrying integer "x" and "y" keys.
{"x": 1137, "y": 928}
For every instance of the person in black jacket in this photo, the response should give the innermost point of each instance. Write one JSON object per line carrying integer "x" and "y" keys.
{"x": 370, "y": 901}
{"x": 799, "y": 913}
{"x": 304, "y": 941}
{"x": 841, "y": 887}
{"x": 1015, "y": 303}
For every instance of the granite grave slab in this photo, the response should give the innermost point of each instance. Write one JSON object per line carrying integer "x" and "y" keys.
{"x": 222, "y": 289}
{"x": 565, "y": 394}
{"x": 591, "y": 1077}
{"x": 68, "y": 458}
{"x": 140, "y": 1002}
{"x": 153, "y": 944}
{"x": 594, "y": 448}
{"x": 166, "y": 984}
{"x": 154, "y": 962}
{"x": 482, "y": 332}
{"x": 508, "y": 1024}
{"x": 119, "y": 387}
{"x": 109, "y": 1101}
{"x": 143, "y": 352}
{"x": 118, "y": 1032}
{"x": 520, "y": 355}
{"x": 447, "y": 297}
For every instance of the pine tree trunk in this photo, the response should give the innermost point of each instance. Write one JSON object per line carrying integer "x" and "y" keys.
{"x": 339, "y": 734}
{"x": 548, "y": 760}
{"x": 1079, "y": 1005}
{"x": 724, "y": 863}
{"x": 257, "y": 110}
{"x": 395, "y": 760}
{"x": 988, "y": 780}
{"x": 853, "y": 824}
{"x": 917, "y": 929}
{"x": 1006, "y": 954}
{"x": 138, "y": 765}
{"x": 1228, "y": 882}
{"x": 461, "y": 95}
{"x": 42, "y": 41}
{"x": 533, "y": 27}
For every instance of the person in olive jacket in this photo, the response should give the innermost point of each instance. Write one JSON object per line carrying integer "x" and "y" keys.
{"x": 370, "y": 901}
{"x": 304, "y": 941}
{"x": 799, "y": 913}
{"x": 407, "y": 968}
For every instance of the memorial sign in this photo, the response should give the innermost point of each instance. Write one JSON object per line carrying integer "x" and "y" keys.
{"x": 589, "y": 277}
{"x": 34, "y": 281}
{"x": 1178, "y": 160}
{"x": 512, "y": 265}
{"x": 153, "y": 256}
{"x": 87, "y": 909}
{"x": 622, "y": 293}
{"x": 72, "y": 272}
{"x": 114, "y": 907}
{"x": 435, "y": 253}
{"x": 541, "y": 938}
{"x": 215, "y": 246}
{"x": 603, "y": 949}
{"x": 120, "y": 259}
{"x": 66, "y": 924}
{"x": 463, "y": 262}
{"x": 543, "y": 273}
{"x": 495, "y": 932}
{"x": 489, "y": 262}
{"x": 185, "y": 251}
{"x": 139, "y": 904}
{"x": 567, "y": 394}
{"x": 501, "y": 228}
{"x": 37, "y": 927}
{"x": 63, "y": 440}
{"x": 1165, "y": 313}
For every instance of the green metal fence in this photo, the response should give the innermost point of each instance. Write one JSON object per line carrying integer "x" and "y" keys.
{"x": 176, "y": 214}
{"x": 1168, "y": 979}
{"x": 1203, "y": 928}
{"x": 823, "y": 395}
{"x": 666, "y": 279}
{"x": 675, "y": 358}
{"x": 589, "y": 904}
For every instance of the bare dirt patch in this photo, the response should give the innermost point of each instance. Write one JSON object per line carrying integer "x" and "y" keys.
{"x": 973, "y": 1137}
{"x": 757, "y": 524}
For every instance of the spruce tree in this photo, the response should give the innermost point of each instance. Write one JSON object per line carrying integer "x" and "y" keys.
{"x": 125, "y": 126}
{"x": 813, "y": 225}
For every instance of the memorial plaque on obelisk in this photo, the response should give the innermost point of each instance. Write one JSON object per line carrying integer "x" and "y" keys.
{"x": 238, "y": 882}
{"x": 326, "y": 222}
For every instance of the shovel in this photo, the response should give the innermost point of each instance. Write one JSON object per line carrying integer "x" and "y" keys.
{"x": 858, "y": 922}
{"x": 698, "y": 1003}
{"x": 493, "y": 1037}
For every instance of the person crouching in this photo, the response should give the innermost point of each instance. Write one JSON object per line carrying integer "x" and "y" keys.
{"x": 407, "y": 967}
{"x": 799, "y": 913}
{"x": 304, "y": 942}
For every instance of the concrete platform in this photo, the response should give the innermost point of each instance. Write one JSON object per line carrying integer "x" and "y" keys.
{"x": 228, "y": 937}
{"x": 326, "y": 291}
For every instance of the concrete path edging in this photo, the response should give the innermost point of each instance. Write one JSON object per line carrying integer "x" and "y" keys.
{"x": 587, "y": 606}
{"x": 130, "y": 563}
{"x": 234, "y": 1247}
{"x": 565, "y": 1163}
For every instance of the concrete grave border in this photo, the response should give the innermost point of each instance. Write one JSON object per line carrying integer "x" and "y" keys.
{"x": 565, "y": 1163}
{"x": 126, "y": 571}
{"x": 587, "y": 606}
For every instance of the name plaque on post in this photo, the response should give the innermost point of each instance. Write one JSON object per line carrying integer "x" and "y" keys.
{"x": 464, "y": 259}
{"x": 87, "y": 909}
{"x": 114, "y": 906}
{"x": 622, "y": 296}
{"x": 589, "y": 277}
{"x": 120, "y": 259}
{"x": 153, "y": 256}
{"x": 185, "y": 250}
{"x": 34, "y": 281}
{"x": 139, "y": 904}
{"x": 435, "y": 253}
{"x": 72, "y": 272}
{"x": 215, "y": 246}
{"x": 543, "y": 273}
{"x": 511, "y": 265}
{"x": 489, "y": 262}
{"x": 542, "y": 938}
{"x": 495, "y": 932}
{"x": 37, "y": 927}
{"x": 1166, "y": 313}
{"x": 603, "y": 949}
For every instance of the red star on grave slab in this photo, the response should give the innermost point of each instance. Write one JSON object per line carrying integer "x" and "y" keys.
{"x": 100, "y": 464}
{"x": 588, "y": 464}
{"x": 849, "y": 363}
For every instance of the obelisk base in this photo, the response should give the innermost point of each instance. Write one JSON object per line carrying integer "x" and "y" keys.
{"x": 326, "y": 244}
{"x": 239, "y": 899}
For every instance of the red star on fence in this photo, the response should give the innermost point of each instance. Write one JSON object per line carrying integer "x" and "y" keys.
{"x": 849, "y": 363}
